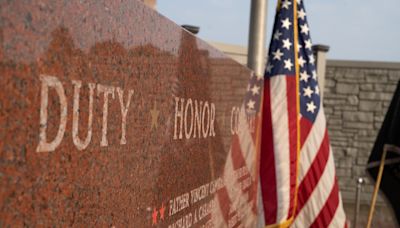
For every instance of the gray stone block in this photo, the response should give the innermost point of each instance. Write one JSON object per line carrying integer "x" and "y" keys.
{"x": 376, "y": 96}
{"x": 351, "y": 152}
{"x": 353, "y": 100}
{"x": 359, "y": 171}
{"x": 376, "y": 78}
{"x": 330, "y": 83}
{"x": 346, "y": 162}
{"x": 358, "y": 125}
{"x": 366, "y": 87}
{"x": 394, "y": 75}
{"x": 358, "y": 116}
{"x": 363, "y": 147}
{"x": 362, "y": 160}
{"x": 333, "y": 121}
{"x": 347, "y": 88}
{"x": 334, "y": 102}
{"x": 370, "y": 105}
{"x": 346, "y": 108}
{"x": 342, "y": 172}
{"x": 385, "y": 87}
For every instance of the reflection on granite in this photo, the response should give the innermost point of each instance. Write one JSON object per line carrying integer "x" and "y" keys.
{"x": 116, "y": 70}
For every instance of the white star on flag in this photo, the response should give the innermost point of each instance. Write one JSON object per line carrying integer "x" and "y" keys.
{"x": 308, "y": 44}
{"x": 298, "y": 47}
{"x": 269, "y": 68}
{"x": 314, "y": 75}
{"x": 304, "y": 29}
{"x": 277, "y": 34}
{"x": 311, "y": 59}
{"x": 301, "y": 14}
{"x": 277, "y": 54}
{"x": 304, "y": 76}
{"x": 307, "y": 92}
{"x": 301, "y": 61}
{"x": 316, "y": 90}
{"x": 311, "y": 107}
{"x": 288, "y": 64}
{"x": 286, "y": 4}
{"x": 286, "y": 23}
{"x": 287, "y": 44}
{"x": 255, "y": 90}
{"x": 251, "y": 104}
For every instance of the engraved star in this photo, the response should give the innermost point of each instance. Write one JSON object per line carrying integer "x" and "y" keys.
{"x": 162, "y": 211}
{"x": 154, "y": 216}
{"x": 304, "y": 76}
{"x": 311, "y": 107}
{"x": 288, "y": 64}
{"x": 308, "y": 92}
{"x": 277, "y": 54}
{"x": 255, "y": 90}
{"x": 154, "y": 116}
{"x": 287, "y": 44}
{"x": 286, "y": 23}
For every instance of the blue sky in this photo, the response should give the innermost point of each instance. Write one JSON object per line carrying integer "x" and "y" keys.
{"x": 354, "y": 29}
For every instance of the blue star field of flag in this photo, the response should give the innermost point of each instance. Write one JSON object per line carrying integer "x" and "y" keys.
{"x": 253, "y": 95}
{"x": 281, "y": 61}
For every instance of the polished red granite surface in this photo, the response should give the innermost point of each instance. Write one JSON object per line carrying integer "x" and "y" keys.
{"x": 112, "y": 115}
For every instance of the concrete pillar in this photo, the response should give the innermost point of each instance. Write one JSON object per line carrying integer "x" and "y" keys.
{"x": 320, "y": 52}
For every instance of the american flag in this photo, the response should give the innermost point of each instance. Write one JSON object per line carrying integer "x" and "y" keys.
{"x": 297, "y": 170}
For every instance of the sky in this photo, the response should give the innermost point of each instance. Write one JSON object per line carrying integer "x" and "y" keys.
{"x": 354, "y": 29}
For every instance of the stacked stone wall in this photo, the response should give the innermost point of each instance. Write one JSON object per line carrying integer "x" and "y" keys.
{"x": 356, "y": 98}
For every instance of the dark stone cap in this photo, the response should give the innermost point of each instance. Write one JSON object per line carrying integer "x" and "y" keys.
{"x": 191, "y": 28}
{"x": 320, "y": 47}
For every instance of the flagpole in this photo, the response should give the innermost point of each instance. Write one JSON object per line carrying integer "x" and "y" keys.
{"x": 377, "y": 184}
{"x": 256, "y": 47}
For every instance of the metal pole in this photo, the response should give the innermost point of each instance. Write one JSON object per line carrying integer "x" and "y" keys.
{"x": 377, "y": 184}
{"x": 256, "y": 55}
{"x": 360, "y": 181}
{"x": 256, "y": 47}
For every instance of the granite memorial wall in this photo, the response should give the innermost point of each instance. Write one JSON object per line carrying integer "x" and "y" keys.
{"x": 112, "y": 115}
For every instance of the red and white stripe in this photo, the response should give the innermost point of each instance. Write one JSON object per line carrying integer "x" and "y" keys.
{"x": 278, "y": 159}
{"x": 242, "y": 153}
{"x": 319, "y": 202}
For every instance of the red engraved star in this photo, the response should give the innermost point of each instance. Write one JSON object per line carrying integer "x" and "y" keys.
{"x": 162, "y": 211}
{"x": 155, "y": 213}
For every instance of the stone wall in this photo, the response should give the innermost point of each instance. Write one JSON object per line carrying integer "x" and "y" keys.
{"x": 356, "y": 98}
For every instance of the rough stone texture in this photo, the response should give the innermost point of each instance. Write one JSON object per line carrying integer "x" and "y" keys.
{"x": 120, "y": 46}
{"x": 356, "y": 98}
